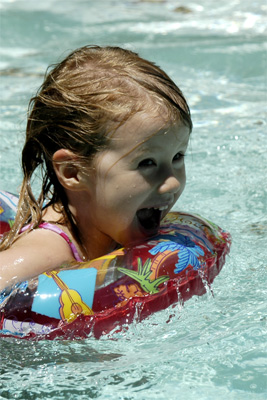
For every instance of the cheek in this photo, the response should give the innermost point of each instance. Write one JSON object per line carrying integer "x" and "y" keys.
{"x": 121, "y": 190}
{"x": 184, "y": 176}
{"x": 181, "y": 176}
{"x": 183, "y": 180}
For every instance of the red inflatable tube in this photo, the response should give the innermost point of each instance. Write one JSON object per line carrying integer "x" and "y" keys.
{"x": 105, "y": 294}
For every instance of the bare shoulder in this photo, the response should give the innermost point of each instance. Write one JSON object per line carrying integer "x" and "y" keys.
{"x": 38, "y": 251}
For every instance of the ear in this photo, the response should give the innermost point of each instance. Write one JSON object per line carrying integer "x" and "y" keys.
{"x": 67, "y": 170}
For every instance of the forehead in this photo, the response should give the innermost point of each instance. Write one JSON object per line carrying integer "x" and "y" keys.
{"x": 145, "y": 129}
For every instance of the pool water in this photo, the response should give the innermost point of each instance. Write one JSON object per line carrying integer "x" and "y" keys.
{"x": 214, "y": 346}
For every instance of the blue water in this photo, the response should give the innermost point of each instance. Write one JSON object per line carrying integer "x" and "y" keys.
{"x": 214, "y": 347}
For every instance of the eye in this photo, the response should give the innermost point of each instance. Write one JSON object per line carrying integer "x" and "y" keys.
{"x": 148, "y": 162}
{"x": 178, "y": 157}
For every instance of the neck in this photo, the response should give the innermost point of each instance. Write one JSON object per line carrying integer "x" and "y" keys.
{"x": 94, "y": 243}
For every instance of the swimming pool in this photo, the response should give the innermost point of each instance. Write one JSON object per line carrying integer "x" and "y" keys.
{"x": 213, "y": 347}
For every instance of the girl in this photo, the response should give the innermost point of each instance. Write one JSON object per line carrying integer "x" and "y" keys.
{"x": 108, "y": 132}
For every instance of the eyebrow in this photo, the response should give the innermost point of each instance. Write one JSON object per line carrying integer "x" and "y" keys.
{"x": 144, "y": 147}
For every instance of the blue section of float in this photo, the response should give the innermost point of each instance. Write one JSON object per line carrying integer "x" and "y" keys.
{"x": 8, "y": 206}
{"x": 47, "y": 297}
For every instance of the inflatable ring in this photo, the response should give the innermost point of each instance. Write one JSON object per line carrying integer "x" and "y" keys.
{"x": 129, "y": 284}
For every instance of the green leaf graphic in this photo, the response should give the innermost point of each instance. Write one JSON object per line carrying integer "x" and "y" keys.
{"x": 142, "y": 276}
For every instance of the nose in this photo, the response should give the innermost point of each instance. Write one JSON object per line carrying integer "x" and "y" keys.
{"x": 170, "y": 185}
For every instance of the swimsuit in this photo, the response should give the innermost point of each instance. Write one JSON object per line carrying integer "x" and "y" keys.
{"x": 56, "y": 229}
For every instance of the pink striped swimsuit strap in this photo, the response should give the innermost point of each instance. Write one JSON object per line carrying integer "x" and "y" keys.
{"x": 56, "y": 229}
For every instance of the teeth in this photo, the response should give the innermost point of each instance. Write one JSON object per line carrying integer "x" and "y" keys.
{"x": 162, "y": 208}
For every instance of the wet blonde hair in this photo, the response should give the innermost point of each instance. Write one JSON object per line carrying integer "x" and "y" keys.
{"x": 82, "y": 100}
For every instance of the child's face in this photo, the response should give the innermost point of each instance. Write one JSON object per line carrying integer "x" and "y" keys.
{"x": 138, "y": 179}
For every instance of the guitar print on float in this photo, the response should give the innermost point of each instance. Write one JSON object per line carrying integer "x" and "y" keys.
{"x": 70, "y": 300}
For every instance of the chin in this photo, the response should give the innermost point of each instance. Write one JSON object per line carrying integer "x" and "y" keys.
{"x": 141, "y": 237}
{"x": 141, "y": 230}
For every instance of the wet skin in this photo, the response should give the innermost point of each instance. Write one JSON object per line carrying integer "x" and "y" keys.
{"x": 135, "y": 181}
{"x": 142, "y": 170}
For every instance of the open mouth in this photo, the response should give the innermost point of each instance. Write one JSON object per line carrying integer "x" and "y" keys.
{"x": 149, "y": 220}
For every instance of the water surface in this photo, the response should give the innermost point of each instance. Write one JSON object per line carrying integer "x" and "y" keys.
{"x": 214, "y": 347}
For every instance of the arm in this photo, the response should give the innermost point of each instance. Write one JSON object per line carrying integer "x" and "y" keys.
{"x": 34, "y": 253}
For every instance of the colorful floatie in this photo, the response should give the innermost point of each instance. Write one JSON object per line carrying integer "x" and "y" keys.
{"x": 129, "y": 284}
